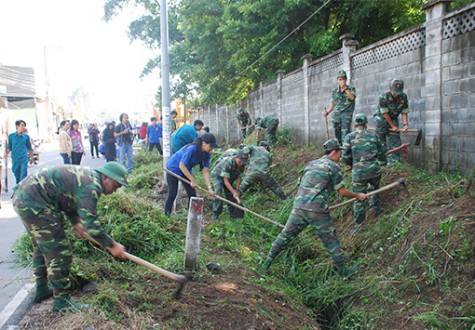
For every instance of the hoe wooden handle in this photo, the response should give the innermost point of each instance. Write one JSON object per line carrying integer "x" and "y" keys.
{"x": 226, "y": 201}
{"x": 389, "y": 186}
{"x": 140, "y": 261}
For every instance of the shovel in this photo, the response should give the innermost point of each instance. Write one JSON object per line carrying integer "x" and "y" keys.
{"x": 412, "y": 130}
{"x": 175, "y": 277}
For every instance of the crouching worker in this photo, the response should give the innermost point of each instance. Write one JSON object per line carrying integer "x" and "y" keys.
{"x": 43, "y": 200}
{"x": 227, "y": 171}
{"x": 321, "y": 177}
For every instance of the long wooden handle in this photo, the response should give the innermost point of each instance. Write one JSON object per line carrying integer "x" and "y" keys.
{"x": 227, "y": 201}
{"x": 327, "y": 135}
{"x": 380, "y": 190}
{"x": 140, "y": 261}
{"x": 402, "y": 146}
{"x": 417, "y": 130}
{"x": 156, "y": 269}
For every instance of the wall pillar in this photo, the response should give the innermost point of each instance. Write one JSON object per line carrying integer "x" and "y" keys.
{"x": 348, "y": 46}
{"x": 261, "y": 100}
{"x": 280, "y": 75}
{"x": 431, "y": 90}
{"x": 217, "y": 120}
{"x": 307, "y": 58}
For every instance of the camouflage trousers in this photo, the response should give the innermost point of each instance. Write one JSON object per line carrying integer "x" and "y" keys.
{"x": 52, "y": 251}
{"x": 342, "y": 125}
{"x": 266, "y": 180}
{"x": 298, "y": 221}
{"x": 388, "y": 137}
{"x": 366, "y": 186}
{"x": 271, "y": 131}
{"x": 219, "y": 188}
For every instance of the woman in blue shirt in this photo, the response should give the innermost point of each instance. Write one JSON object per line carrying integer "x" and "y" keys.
{"x": 182, "y": 163}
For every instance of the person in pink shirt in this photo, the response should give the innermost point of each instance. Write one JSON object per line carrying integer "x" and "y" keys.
{"x": 76, "y": 139}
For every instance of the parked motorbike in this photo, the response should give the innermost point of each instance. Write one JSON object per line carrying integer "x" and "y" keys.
{"x": 35, "y": 157}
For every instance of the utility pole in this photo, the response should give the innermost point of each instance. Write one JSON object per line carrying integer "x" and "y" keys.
{"x": 166, "y": 124}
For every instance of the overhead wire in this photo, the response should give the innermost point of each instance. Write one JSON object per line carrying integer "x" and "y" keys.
{"x": 281, "y": 41}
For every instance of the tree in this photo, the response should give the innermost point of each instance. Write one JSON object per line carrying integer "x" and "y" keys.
{"x": 222, "y": 48}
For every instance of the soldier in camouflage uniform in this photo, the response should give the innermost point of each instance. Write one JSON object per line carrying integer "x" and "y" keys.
{"x": 44, "y": 200}
{"x": 363, "y": 152}
{"x": 258, "y": 172}
{"x": 227, "y": 171}
{"x": 270, "y": 123}
{"x": 343, "y": 102}
{"x": 244, "y": 121}
{"x": 391, "y": 105}
{"x": 321, "y": 177}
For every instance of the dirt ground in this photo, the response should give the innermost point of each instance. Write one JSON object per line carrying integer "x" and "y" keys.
{"x": 226, "y": 300}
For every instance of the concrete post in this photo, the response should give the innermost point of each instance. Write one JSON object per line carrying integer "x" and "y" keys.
{"x": 348, "y": 46}
{"x": 306, "y": 106}
{"x": 217, "y": 120}
{"x": 261, "y": 99}
{"x": 280, "y": 75}
{"x": 431, "y": 90}
{"x": 193, "y": 234}
{"x": 227, "y": 124}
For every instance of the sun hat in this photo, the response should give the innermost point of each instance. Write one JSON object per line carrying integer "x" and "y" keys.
{"x": 115, "y": 171}
{"x": 332, "y": 144}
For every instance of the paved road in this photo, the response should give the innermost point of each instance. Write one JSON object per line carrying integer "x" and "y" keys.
{"x": 15, "y": 281}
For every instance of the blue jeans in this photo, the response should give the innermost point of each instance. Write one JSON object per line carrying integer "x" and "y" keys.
{"x": 126, "y": 151}
{"x": 66, "y": 159}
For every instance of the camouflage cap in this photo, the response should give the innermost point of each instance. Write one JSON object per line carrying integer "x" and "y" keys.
{"x": 240, "y": 110}
{"x": 361, "y": 119}
{"x": 115, "y": 171}
{"x": 332, "y": 144}
{"x": 264, "y": 143}
{"x": 397, "y": 86}
{"x": 341, "y": 73}
{"x": 243, "y": 155}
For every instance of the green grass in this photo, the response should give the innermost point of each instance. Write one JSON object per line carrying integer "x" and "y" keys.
{"x": 416, "y": 262}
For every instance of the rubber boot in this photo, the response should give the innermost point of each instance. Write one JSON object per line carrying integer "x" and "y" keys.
{"x": 266, "y": 265}
{"x": 43, "y": 291}
{"x": 61, "y": 304}
{"x": 344, "y": 271}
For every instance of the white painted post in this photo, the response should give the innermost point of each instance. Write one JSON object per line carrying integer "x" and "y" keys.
{"x": 193, "y": 234}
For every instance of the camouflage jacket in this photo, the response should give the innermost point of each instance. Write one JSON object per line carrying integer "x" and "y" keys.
{"x": 227, "y": 168}
{"x": 341, "y": 101}
{"x": 259, "y": 161}
{"x": 363, "y": 150}
{"x": 321, "y": 177}
{"x": 69, "y": 190}
{"x": 244, "y": 119}
{"x": 268, "y": 121}
{"x": 387, "y": 104}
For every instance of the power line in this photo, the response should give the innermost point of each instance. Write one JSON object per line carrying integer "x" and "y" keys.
{"x": 285, "y": 38}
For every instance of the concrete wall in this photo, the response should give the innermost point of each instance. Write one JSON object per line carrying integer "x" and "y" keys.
{"x": 437, "y": 62}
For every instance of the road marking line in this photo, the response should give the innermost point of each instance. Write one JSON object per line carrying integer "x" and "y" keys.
{"x": 14, "y": 303}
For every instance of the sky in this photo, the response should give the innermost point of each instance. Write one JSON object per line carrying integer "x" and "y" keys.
{"x": 82, "y": 51}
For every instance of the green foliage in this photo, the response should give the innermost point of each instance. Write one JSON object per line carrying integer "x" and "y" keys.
{"x": 220, "y": 50}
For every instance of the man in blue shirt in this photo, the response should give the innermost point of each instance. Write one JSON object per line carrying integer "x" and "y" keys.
{"x": 186, "y": 135}
{"x": 154, "y": 134}
{"x": 20, "y": 146}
